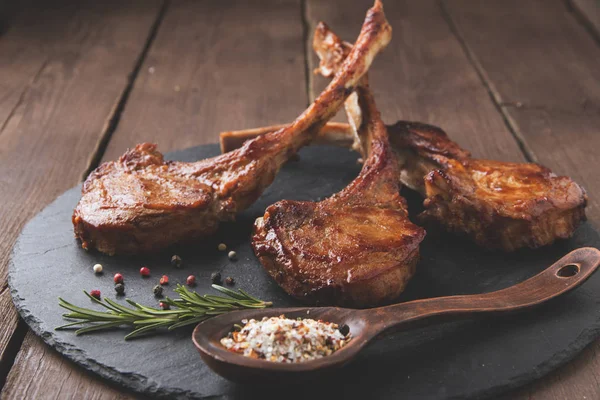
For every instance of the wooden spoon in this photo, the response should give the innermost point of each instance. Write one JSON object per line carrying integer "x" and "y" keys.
{"x": 564, "y": 275}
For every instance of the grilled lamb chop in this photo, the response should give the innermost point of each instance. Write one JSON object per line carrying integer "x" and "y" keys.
{"x": 357, "y": 248}
{"x": 143, "y": 203}
{"x": 499, "y": 205}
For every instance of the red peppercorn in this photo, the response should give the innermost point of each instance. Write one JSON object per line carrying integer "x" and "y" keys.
{"x": 145, "y": 271}
{"x": 164, "y": 306}
{"x": 164, "y": 280}
{"x": 191, "y": 280}
{"x": 95, "y": 294}
{"x": 118, "y": 278}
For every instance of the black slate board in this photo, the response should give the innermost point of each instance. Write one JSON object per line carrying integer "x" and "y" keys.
{"x": 454, "y": 360}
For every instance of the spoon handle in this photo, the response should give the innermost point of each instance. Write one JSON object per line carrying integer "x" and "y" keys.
{"x": 564, "y": 275}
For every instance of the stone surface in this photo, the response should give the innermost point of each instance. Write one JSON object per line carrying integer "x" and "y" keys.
{"x": 454, "y": 360}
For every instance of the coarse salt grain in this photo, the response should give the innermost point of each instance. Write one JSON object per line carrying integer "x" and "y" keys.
{"x": 285, "y": 340}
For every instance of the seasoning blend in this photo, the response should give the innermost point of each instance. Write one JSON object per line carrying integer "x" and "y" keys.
{"x": 285, "y": 340}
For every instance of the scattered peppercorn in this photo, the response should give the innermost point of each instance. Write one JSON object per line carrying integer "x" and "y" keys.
{"x": 344, "y": 330}
{"x": 145, "y": 271}
{"x": 158, "y": 290}
{"x": 191, "y": 280}
{"x": 232, "y": 255}
{"x": 95, "y": 294}
{"x": 215, "y": 277}
{"x": 120, "y": 288}
{"x": 98, "y": 268}
{"x": 176, "y": 261}
{"x": 164, "y": 280}
{"x": 222, "y": 247}
{"x": 230, "y": 281}
{"x": 118, "y": 278}
{"x": 164, "y": 306}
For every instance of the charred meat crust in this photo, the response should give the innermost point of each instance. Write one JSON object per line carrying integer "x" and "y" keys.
{"x": 143, "y": 203}
{"x": 346, "y": 264}
{"x": 357, "y": 248}
{"x": 499, "y": 205}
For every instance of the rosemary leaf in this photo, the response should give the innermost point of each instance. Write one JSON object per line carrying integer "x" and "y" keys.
{"x": 92, "y": 328}
{"x": 190, "y": 308}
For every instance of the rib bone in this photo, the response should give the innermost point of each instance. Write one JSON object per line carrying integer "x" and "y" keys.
{"x": 143, "y": 203}
{"x": 357, "y": 248}
{"x": 497, "y": 204}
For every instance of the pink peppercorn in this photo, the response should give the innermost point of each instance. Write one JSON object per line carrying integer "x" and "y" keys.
{"x": 118, "y": 278}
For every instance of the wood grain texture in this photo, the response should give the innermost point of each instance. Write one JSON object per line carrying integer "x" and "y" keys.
{"x": 426, "y": 77}
{"x": 36, "y": 363}
{"x": 12, "y": 331}
{"x": 531, "y": 58}
{"x": 590, "y": 11}
{"x": 423, "y": 75}
{"x": 568, "y": 143}
{"x": 542, "y": 68}
{"x": 365, "y": 325}
{"x": 216, "y": 66}
{"x": 63, "y": 67}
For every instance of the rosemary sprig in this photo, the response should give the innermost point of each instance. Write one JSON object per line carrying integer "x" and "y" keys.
{"x": 192, "y": 308}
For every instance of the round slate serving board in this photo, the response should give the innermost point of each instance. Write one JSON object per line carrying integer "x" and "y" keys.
{"x": 454, "y": 360}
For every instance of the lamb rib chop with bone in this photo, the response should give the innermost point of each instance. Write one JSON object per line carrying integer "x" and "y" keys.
{"x": 142, "y": 203}
{"x": 499, "y": 205}
{"x": 357, "y": 248}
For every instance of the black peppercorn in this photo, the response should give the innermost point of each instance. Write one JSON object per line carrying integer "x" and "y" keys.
{"x": 120, "y": 288}
{"x": 215, "y": 277}
{"x": 230, "y": 281}
{"x": 176, "y": 261}
{"x": 158, "y": 290}
{"x": 344, "y": 330}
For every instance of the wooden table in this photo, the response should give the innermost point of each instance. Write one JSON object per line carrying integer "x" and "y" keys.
{"x": 80, "y": 81}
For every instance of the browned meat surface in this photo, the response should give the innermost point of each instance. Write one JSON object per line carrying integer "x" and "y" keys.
{"x": 143, "y": 203}
{"x": 358, "y": 248}
{"x": 497, "y": 204}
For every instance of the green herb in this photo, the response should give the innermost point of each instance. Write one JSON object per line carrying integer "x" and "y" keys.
{"x": 191, "y": 308}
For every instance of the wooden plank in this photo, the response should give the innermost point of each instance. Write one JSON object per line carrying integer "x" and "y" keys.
{"x": 535, "y": 53}
{"x": 64, "y": 66}
{"x": 423, "y": 75}
{"x": 568, "y": 143}
{"x": 590, "y": 11}
{"x": 36, "y": 361}
{"x": 429, "y": 60}
{"x": 236, "y": 65}
{"x": 543, "y": 70}
{"x": 216, "y": 66}
{"x": 12, "y": 331}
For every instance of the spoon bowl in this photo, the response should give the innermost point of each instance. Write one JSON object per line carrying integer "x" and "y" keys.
{"x": 563, "y": 276}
